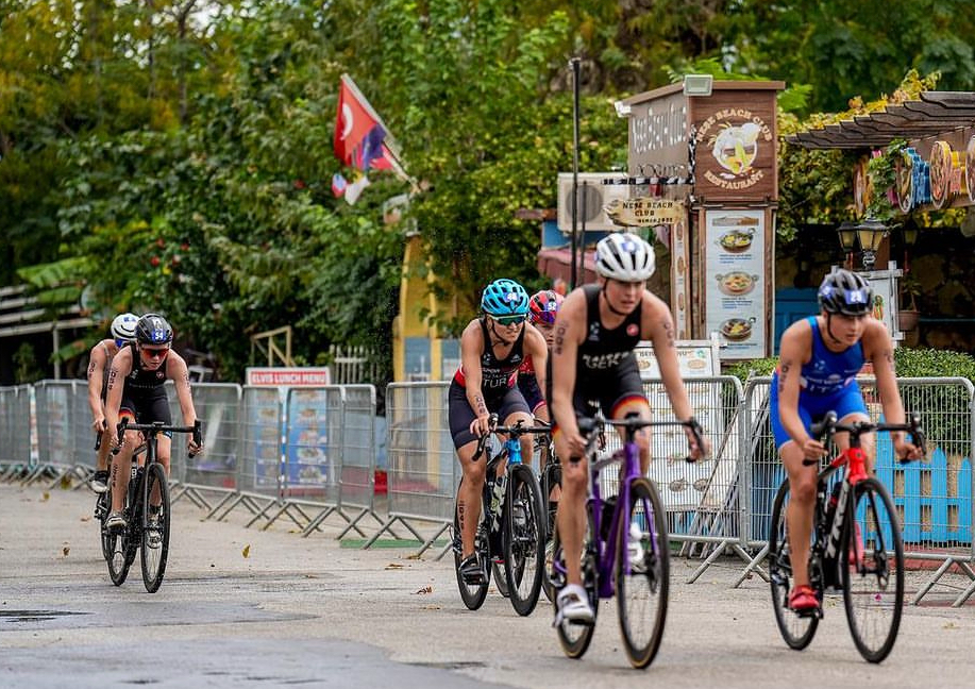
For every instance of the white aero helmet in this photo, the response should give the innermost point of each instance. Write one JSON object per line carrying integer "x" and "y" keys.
{"x": 124, "y": 326}
{"x": 625, "y": 257}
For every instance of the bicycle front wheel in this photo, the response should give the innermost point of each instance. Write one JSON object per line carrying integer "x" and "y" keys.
{"x": 575, "y": 637}
{"x": 797, "y": 631}
{"x": 524, "y": 539}
{"x": 551, "y": 480}
{"x": 473, "y": 595}
{"x": 105, "y": 501}
{"x": 118, "y": 559}
{"x": 155, "y": 537}
{"x": 872, "y": 570}
{"x": 642, "y": 573}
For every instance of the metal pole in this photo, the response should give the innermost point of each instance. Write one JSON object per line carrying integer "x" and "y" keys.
{"x": 575, "y": 62}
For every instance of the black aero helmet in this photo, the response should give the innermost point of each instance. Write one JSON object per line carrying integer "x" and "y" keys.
{"x": 153, "y": 329}
{"x": 845, "y": 292}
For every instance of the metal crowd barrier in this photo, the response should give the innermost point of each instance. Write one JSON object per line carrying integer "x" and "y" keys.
{"x": 15, "y": 432}
{"x": 63, "y": 424}
{"x": 423, "y": 472}
{"x": 358, "y": 467}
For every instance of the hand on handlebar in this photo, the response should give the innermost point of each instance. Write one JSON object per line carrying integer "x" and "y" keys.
{"x": 699, "y": 447}
{"x": 482, "y": 425}
{"x": 906, "y": 450}
{"x": 813, "y": 449}
{"x": 100, "y": 425}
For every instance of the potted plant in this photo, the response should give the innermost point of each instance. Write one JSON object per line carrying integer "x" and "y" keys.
{"x": 908, "y": 312}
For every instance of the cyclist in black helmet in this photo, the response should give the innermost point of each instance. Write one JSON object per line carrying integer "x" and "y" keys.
{"x": 135, "y": 390}
{"x": 818, "y": 360}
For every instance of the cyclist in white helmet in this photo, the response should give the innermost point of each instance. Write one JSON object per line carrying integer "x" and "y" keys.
{"x": 593, "y": 366}
{"x": 99, "y": 361}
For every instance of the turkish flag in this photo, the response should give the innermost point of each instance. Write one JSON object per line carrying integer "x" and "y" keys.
{"x": 358, "y": 132}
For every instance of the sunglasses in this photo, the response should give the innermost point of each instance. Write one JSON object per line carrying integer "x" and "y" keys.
{"x": 155, "y": 352}
{"x": 509, "y": 320}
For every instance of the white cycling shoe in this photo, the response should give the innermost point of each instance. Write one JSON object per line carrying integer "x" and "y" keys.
{"x": 574, "y": 605}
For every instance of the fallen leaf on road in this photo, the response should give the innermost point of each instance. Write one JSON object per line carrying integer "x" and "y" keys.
{"x": 86, "y": 518}
{"x": 431, "y": 607}
{"x": 247, "y": 551}
{"x": 413, "y": 557}
{"x": 425, "y": 590}
{"x": 65, "y": 482}
{"x": 65, "y": 550}
{"x": 949, "y": 626}
{"x": 311, "y": 577}
{"x": 394, "y": 566}
{"x": 45, "y": 496}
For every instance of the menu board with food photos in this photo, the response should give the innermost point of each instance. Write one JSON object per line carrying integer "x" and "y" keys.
{"x": 735, "y": 285}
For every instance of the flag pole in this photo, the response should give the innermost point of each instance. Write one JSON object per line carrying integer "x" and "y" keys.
{"x": 575, "y": 62}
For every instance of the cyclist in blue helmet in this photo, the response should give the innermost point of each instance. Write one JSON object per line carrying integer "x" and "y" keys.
{"x": 136, "y": 391}
{"x": 493, "y": 347}
{"x": 818, "y": 359}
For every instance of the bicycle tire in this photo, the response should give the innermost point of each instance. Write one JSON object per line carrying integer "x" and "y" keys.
{"x": 551, "y": 477}
{"x": 106, "y": 535}
{"x": 574, "y": 637}
{"x": 119, "y": 560}
{"x": 155, "y": 537}
{"x": 524, "y": 541}
{"x": 872, "y": 554}
{"x": 501, "y": 579}
{"x": 473, "y": 596}
{"x": 642, "y": 587}
{"x": 797, "y": 631}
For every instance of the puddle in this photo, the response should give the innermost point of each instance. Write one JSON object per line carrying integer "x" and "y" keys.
{"x": 34, "y": 615}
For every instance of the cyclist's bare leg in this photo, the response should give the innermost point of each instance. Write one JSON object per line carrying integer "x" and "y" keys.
{"x": 542, "y": 414}
{"x": 526, "y": 439}
{"x": 571, "y": 514}
{"x": 799, "y": 512}
{"x": 101, "y": 458}
{"x": 121, "y": 464}
{"x": 469, "y": 495}
{"x": 643, "y": 437}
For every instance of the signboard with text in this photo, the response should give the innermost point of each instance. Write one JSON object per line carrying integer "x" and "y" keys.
{"x": 294, "y": 377}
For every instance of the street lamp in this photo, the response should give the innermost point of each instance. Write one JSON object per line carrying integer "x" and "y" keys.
{"x": 909, "y": 233}
{"x": 869, "y": 236}
{"x": 847, "y": 235}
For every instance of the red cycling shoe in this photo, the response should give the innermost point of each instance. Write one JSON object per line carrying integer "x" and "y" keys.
{"x": 803, "y": 598}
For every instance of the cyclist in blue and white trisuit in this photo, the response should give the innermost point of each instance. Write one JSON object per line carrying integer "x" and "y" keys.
{"x": 492, "y": 349}
{"x": 819, "y": 358}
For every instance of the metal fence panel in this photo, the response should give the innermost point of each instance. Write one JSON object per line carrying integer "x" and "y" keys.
{"x": 313, "y": 444}
{"x": 423, "y": 473}
{"x": 56, "y": 421}
{"x": 358, "y": 446}
{"x": 218, "y": 406}
{"x": 15, "y": 425}
{"x": 261, "y": 442}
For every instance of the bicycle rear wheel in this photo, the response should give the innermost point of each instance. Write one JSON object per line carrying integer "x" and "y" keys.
{"x": 872, "y": 570}
{"x": 473, "y": 596}
{"x": 105, "y": 501}
{"x": 155, "y": 537}
{"x": 575, "y": 637}
{"x": 642, "y": 574}
{"x": 524, "y": 539}
{"x": 797, "y": 631}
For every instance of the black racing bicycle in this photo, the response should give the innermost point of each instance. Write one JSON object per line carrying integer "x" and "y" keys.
{"x": 856, "y": 547}
{"x": 147, "y": 510}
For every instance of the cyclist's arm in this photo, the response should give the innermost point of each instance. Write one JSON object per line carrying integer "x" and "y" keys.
{"x": 570, "y": 329}
{"x": 794, "y": 351}
{"x": 879, "y": 350}
{"x": 176, "y": 370}
{"x": 121, "y": 367}
{"x": 472, "y": 345}
{"x": 96, "y": 375}
{"x": 535, "y": 345}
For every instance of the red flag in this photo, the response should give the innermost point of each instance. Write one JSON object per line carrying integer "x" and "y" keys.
{"x": 355, "y": 119}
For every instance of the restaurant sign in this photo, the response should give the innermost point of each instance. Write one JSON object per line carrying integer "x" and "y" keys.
{"x": 644, "y": 211}
{"x": 738, "y": 149}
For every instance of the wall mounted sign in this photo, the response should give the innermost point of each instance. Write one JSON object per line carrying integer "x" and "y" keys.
{"x": 735, "y": 152}
{"x": 945, "y": 171}
{"x": 680, "y": 278}
{"x": 644, "y": 211}
{"x": 862, "y": 191}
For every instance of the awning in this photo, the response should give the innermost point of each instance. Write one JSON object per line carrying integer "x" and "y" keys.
{"x": 557, "y": 263}
{"x": 937, "y": 112}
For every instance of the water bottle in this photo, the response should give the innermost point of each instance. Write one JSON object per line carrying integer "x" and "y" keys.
{"x": 498, "y": 492}
{"x": 496, "y": 500}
